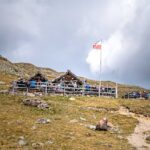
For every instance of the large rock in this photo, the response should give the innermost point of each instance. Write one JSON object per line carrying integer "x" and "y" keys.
{"x": 32, "y": 102}
{"x": 102, "y": 125}
{"x": 36, "y": 103}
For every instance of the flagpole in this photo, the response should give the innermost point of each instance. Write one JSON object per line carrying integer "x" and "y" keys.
{"x": 100, "y": 70}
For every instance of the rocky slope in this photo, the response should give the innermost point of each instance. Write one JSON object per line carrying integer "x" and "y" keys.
{"x": 24, "y": 69}
{"x": 8, "y": 67}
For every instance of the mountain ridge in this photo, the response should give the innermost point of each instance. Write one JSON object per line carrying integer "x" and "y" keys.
{"x": 12, "y": 71}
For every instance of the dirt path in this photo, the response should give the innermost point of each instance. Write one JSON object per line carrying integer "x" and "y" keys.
{"x": 137, "y": 139}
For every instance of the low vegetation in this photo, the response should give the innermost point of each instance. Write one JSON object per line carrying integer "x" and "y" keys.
{"x": 69, "y": 119}
{"x": 137, "y": 106}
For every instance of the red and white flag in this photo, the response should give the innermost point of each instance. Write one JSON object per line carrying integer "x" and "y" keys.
{"x": 97, "y": 45}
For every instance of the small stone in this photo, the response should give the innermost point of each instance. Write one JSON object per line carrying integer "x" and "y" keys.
{"x": 43, "y": 106}
{"x": 49, "y": 142}
{"x": 34, "y": 128}
{"x": 92, "y": 127}
{"x": 30, "y": 94}
{"x": 82, "y": 119}
{"x": 72, "y": 99}
{"x": 37, "y": 145}
{"x": 21, "y": 138}
{"x": 73, "y": 121}
{"x": 22, "y": 142}
{"x": 2, "y": 82}
{"x": 88, "y": 134}
{"x": 38, "y": 94}
{"x": 43, "y": 121}
{"x": 19, "y": 122}
{"x": 109, "y": 124}
{"x": 94, "y": 116}
{"x": 4, "y": 91}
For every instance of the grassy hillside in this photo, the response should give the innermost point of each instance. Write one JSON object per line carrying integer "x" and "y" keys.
{"x": 66, "y": 131}
{"x": 24, "y": 69}
{"x": 30, "y": 69}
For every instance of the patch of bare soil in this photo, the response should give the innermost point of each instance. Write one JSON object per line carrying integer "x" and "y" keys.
{"x": 137, "y": 139}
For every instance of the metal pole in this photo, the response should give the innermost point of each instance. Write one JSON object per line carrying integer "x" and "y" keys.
{"x": 27, "y": 91}
{"x": 64, "y": 89}
{"x": 100, "y": 70}
{"x": 116, "y": 90}
{"x": 83, "y": 88}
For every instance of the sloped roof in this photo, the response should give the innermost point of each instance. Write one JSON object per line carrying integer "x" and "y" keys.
{"x": 68, "y": 73}
{"x": 37, "y": 76}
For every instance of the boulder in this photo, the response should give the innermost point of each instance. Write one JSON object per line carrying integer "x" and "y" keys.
{"x": 102, "y": 125}
{"x": 32, "y": 102}
{"x": 36, "y": 103}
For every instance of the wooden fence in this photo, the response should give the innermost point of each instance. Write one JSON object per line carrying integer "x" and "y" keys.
{"x": 69, "y": 89}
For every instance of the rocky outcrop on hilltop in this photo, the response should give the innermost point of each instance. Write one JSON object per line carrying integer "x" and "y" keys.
{"x": 8, "y": 67}
{"x": 24, "y": 69}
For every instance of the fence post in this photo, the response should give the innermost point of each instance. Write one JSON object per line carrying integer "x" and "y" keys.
{"x": 46, "y": 89}
{"x": 116, "y": 90}
{"x": 83, "y": 91}
{"x": 27, "y": 91}
{"x": 64, "y": 89}
{"x": 13, "y": 90}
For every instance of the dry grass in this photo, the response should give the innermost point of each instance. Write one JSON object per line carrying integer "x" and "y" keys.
{"x": 7, "y": 78}
{"x": 17, "y": 120}
{"x": 137, "y": 106}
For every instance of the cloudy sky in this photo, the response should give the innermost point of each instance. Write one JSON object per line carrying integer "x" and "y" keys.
{"x": 60, "y": 33}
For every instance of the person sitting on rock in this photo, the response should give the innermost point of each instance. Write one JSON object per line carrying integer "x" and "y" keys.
{"x": 102, "y": 125}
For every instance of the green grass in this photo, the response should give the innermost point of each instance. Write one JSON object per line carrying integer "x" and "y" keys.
{"x": 17, "y": 120}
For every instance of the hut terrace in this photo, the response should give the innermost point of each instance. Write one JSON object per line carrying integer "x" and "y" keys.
{"x": 68, "y": 83}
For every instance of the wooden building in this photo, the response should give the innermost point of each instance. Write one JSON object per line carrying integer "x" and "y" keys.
{"x": 68, "y": 79}
{"x": 38, "y": 77}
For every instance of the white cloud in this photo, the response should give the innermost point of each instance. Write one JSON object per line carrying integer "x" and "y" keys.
{"x": 114, "y": 48}
{"x": 61, "y": 32}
